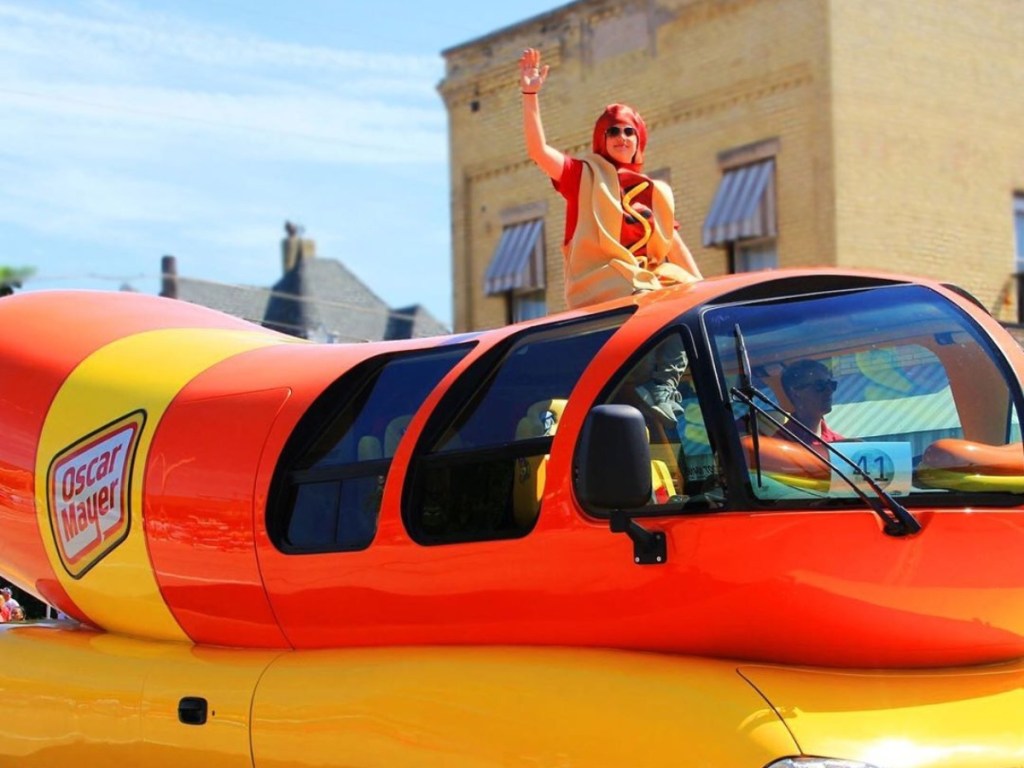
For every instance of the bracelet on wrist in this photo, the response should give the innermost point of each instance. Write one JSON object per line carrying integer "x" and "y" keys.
{"x": 529, "y": 93}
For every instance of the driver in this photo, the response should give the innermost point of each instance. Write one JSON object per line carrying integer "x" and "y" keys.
{"x": 809, "y": 386}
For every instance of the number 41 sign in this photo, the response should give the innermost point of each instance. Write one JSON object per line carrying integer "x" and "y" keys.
{"x": 889, "y": 464}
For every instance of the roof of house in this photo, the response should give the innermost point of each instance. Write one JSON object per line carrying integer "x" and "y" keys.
{"x": 318, "y": 299}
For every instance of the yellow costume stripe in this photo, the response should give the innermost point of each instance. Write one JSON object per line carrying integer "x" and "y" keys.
{"x": 627, "y": 205}
{"x": 140, "y": 374}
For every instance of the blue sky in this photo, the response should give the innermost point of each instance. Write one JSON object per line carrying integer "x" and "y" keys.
{"x": 130, "y": 129}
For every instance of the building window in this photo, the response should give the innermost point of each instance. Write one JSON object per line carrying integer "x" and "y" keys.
{"x": 742, "y": 218}
{"x": 1018, "y": 222}
{"x": 517, "y": 268}
{"x": 754, "y": 255}
{"x": 1018, "y": 228}
{"x": 529, "y": 306}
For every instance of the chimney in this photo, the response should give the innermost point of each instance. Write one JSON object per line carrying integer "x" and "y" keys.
{"x": 169, "y": 277}
{"x": 295, "y": 248}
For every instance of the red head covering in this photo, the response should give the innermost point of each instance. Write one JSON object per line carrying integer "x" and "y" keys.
{"x": 620, "y": 113}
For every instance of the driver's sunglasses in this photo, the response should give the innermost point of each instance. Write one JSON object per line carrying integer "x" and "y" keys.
{"x": 821, "y": 385}
{"x": 627, "y": 131}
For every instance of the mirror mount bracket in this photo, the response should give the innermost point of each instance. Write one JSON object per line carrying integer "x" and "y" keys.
{"x": 649, "y": 547}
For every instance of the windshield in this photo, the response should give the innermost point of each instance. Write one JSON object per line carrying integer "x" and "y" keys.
{"x": 897, "y": 378}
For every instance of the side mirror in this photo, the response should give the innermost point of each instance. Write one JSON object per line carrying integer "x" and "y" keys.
{"x": 613, "y": 459}
{"x": 613, "y": 472}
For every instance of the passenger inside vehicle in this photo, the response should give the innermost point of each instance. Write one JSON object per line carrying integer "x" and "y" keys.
{"x": 809, "y": 386}
{"x": 663, "y": 427}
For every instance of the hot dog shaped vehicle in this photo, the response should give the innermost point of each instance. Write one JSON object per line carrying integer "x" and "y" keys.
{"x": 478, "y": 549}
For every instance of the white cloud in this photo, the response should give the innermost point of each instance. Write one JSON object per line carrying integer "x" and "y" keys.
{"x": 125, "y": 135}
{"x": 120, "y": 35}
{"x": 107, "y": 122}
{"x": 155, "y": 75}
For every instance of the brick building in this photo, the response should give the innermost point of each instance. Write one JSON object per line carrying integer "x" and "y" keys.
{"x": 882, "y": 134}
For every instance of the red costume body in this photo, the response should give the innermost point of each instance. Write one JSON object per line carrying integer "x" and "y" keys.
{"x": 568, "y": 186}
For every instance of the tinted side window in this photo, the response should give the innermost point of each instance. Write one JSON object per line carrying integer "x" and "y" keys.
{"x": 483, "y": 476}
{"x": 684, "y": 465}
{"x": 327, "y": 496}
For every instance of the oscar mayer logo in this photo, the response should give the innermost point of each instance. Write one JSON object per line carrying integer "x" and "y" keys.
{"x": 89, "y": 490}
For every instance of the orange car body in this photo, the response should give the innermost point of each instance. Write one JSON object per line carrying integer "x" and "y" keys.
{"x": 145, "y": 462}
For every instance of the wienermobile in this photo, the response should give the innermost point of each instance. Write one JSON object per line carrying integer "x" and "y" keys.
{"x": 518, "y": 547}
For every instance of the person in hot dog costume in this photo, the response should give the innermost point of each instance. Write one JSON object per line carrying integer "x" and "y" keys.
{"x": 621, "y": 236}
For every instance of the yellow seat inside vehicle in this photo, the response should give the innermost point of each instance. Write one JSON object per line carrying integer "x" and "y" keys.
{"x": 541, "y": 420}
{"x": 393, "y": 433}
{"x": 368, "y": 449}
{"x": 663, "y": 487}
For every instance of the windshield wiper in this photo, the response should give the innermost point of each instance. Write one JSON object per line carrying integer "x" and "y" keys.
{"x": 747, "y": 386}
{"x": 897, "y": 520}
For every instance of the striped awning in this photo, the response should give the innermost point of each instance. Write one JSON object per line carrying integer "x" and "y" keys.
{"x": 744, "y": 205}
{"x": 518, "y": 261}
